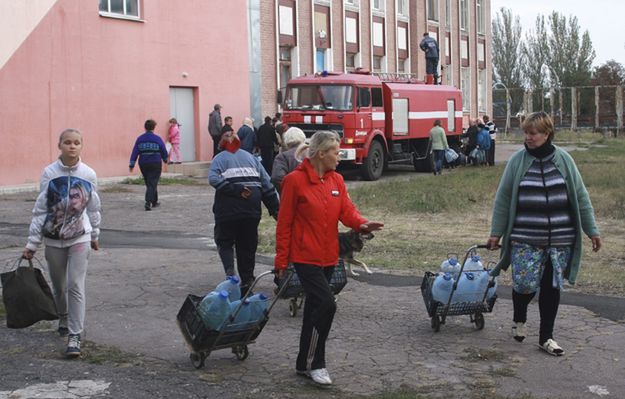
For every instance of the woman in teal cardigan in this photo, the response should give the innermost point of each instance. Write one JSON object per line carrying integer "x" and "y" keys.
{"x": 541, "y": 210}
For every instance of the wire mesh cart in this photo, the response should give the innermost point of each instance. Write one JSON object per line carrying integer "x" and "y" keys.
{"x": 439, "y": 311}
{"x": 202, "y": 340}
{"x": 294, "y": 292}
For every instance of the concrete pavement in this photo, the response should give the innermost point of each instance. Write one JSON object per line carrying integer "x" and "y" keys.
{"x": 381, "y": 340}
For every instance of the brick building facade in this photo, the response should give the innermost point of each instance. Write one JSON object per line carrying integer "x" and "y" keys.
{"x": 305, "y": 36}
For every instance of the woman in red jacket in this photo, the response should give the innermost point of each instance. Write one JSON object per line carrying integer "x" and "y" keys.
{"x": 313, "y": 200}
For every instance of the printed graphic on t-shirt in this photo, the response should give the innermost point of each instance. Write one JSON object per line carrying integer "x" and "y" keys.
{"x": 67, "y": 201}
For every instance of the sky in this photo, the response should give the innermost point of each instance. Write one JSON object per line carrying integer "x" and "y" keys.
{"x": 603, "y": 19}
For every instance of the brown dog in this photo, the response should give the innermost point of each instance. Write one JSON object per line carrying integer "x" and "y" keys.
{"x": 350, "y": 242}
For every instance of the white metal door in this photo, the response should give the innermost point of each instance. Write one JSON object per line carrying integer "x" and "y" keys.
{"x": 181, "y": 108}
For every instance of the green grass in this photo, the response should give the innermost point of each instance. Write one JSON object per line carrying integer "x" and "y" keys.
{"x": 164, "y": 181}
{"x": 426, "y": 217}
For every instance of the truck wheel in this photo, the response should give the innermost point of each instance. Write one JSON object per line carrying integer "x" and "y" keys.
{"x": 373, "y": 164}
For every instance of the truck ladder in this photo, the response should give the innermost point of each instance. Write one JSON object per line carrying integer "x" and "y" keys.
{"x": 398, "y": 77}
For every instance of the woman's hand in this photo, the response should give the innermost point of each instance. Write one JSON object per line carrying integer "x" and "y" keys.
{"x": 28, "y": 253}
{"x": 95, "y": 245}
{"x": 371, "y": 226}
{"x": 493, "y": 242}
{"x": 280, "y": 273}
{"x": 596, "y": 243}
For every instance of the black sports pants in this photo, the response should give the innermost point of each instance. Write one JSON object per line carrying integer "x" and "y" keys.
{"x": 240, "y": 236}
{"x": 151, "y": 175}
{"x": 319, "y": 310}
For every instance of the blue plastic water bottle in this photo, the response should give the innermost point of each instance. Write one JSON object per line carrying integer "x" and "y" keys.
{"x": 473, "y": 264}
{"x": 214, "y": 309}
{"x": 441, "y": 288}
{"x": 242, "y": 318}
{"x": 451, "y": 266}
{"x": 468, "y": 284}
{"x": 492, "y": 290}
{"x": 232, "y": 286}
{"x": 258, "y": 304}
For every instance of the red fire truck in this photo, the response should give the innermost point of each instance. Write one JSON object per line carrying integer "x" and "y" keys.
{"x": 382, "y": 119}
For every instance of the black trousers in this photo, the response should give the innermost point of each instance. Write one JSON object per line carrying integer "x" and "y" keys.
{"x": 267, "y": 154}
{"x": 319, "y": 310}
{"x": 215, "y": 145}
{"x": 240, "y": 236}
{"x": 548, "y": 302}
{"x": 431, "y": 67}
{"x": 490, "y": 154}
{"x": 151, "y": 175}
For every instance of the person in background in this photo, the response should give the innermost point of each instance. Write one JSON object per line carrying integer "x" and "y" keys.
{"x": 214, "y": 127}
{"x": 430, "y": 46}
{"x": 492, "y": 130}
{"x": 471, "y": 136}
{"x": 173, "y": 136}
{"x": 541, "y": 212}
{"x": 67, "y": 186}
{"x": 151, "y": 151}
{"x": 227, "y": 127}
{"x": 483, "y": 143}
{"x": 286, "y": 161}
{"x": 267, "y": 139}
{"x": 241, "y": 184}
{"x": 313, "y": 200}
{"x": 439, "y": 145}
{"x": 247, "y": 136}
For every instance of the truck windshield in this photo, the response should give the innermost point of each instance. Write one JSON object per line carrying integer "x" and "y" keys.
{"x": 317, "y": 97}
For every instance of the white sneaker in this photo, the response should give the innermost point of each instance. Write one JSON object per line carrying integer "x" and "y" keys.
{"x": 321, "y": 376}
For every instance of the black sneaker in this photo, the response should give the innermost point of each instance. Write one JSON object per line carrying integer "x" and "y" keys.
{"x": 156, "y": 204}
{"x": 73, "y": 346}
{"x": 63, "y": 331}
{"x": 148, "y": 206}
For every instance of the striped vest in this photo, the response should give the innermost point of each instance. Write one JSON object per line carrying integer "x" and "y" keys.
{"x": 543, "y": 217}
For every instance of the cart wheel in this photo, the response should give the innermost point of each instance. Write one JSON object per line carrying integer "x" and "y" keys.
{"x": 478, "y": 319}
{"x": 436, "y": 323}
{"x": 293, "y": 307}
{"x": 241, "y": 352}
{"x": 197, "y": 359}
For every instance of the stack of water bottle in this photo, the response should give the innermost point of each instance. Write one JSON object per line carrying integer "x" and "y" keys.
{"x": 472, "y": 282}
{"x": 217, "y": 306}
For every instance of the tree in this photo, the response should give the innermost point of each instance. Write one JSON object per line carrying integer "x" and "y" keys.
{"x": 535, "y": 52}
{"x": 611, "y": 73}
{"x": 570, "y": 57}
{"x": 506, "y": 48}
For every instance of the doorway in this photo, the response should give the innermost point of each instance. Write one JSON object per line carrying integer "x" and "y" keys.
{"x": 181, "y": 107}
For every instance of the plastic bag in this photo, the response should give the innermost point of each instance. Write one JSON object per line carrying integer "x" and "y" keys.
{"x": 450, "y": 155}
{"x": 27, "y": 297}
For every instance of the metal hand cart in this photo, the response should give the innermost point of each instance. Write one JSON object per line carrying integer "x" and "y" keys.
{"x": 202, "y": 340}
{"x": 439, "y": 311}
{"x": 293, "y": 291}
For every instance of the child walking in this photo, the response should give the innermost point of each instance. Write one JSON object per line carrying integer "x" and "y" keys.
{"x": 174, "y": 138}
{"x": 66, "y": 217}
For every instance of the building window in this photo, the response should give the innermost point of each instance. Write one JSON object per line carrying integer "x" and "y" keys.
{"x": 350, "y": 61}
{"x": 377, "y": 63}
{"x": 432, "y": 10}
{"x": 378, "y": 5}
{"x": 352, "y": 2}
{"x": 402, "y": 8}
{"x": 481, "y": 90}
{"x": 320, "y": 60}
{"x": 402, "y": 40}
{"x": 464, "y": 16}
{"x": 287, "y": 28}
{"x": 464, "y": 51}
{"x": 124, "y": 8}
{"x": 448, "y": 75}
{"x": 465, "y": 87}
{"x": 376, "y": 97}
{"x": 285, "y": 65}
{"x": 448, "y": 13}
{"x": 479, "y": 10}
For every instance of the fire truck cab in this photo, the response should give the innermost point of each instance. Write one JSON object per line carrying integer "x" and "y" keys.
{"x": 382, "y": 119}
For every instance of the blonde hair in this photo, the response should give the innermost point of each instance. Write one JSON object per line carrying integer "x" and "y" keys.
{"x": 542, "y": 122}
{"x": 322, "y": 140}
{"x": 68, "y": 131}
{"x": 294, "y": 136}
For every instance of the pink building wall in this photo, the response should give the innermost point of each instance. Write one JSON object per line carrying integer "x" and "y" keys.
{"x": 106, "y": 76}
